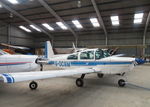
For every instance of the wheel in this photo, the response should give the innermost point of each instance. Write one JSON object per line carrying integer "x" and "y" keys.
{"x": 121, "y": 83}
{"x": 79, "y": 82}
{"x": 33, "y": 85}
{"x": 100, "y": 75}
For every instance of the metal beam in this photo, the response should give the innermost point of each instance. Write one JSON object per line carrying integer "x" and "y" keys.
{"x": 100, "y": 20}
{"x": 25, "y": 19}
{"x": 51, "y": 11}
{"x": 145, "y": 31}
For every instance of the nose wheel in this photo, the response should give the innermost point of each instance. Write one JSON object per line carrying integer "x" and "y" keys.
{"x": 33, "y": 85}
{"x": 121, "y": 83}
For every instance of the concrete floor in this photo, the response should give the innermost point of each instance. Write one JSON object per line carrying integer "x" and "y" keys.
{"x": 62, "y": 92}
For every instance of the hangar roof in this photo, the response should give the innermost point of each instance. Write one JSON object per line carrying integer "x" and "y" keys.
{"x": 81, "y": 10}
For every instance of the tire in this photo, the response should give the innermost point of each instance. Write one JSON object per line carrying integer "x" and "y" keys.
{"x": 79, "y": 82}
{"x": 121, "y": 83}
{"x": 99, "y": 75}
{"x": 33, "y": 85}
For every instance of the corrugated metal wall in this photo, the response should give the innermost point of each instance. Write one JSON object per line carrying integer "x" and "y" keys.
{"x": 12, "y": 35}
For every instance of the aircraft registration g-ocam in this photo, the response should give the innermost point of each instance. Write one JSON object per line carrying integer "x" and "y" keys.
{"x": 83, "y": 62}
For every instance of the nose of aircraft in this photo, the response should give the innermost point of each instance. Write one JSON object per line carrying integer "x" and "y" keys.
{"x": 123, "y": 59}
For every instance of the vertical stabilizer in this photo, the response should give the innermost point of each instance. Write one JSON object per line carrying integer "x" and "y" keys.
{"x": 48, "y": 50}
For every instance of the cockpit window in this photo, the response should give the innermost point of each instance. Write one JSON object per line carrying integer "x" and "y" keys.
{"x": 72, "y": 57}
{"x": 87, "y": 55}
{"x": 99, "y": 54}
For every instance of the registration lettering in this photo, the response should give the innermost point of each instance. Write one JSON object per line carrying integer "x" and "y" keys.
{"x": 62, "y": 64}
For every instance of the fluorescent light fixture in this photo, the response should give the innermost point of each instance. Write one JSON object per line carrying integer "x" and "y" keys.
{"x": 13, "y": 1}
{"x": 138, "y": 15}
{"x": 60, "y": 24}
{"x": 77, "y": 24}
{"x": 114, "y": 20}
{"x": 137, "y": 21}
{"x": 24, "y": 28}
{"x": 95, "y": 22}
{"x": 37, "y": 29}
{"x": 48, "y": 26}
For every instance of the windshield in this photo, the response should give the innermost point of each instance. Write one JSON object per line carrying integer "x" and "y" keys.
{"x": 106, "y": 53}
{"x": 2, "y": 52}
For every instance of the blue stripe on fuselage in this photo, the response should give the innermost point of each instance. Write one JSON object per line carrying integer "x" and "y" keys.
{"x": 85, "y": 63}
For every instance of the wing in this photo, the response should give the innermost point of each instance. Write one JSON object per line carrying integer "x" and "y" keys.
{"x": 36, "y": 75}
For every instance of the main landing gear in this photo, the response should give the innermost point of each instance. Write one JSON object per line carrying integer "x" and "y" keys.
{"x": 100, "y": 75}
{"x": 33, "y": 85}
{"x": 121, "y": 83}
{"x": 79, "y": 81}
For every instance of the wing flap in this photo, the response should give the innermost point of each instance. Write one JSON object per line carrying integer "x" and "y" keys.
{"x": 36, "y": 75}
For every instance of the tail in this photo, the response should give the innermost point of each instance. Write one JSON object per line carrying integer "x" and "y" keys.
{"x": 48, "y": 50}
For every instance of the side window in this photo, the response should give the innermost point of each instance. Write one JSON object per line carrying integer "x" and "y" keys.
{"x": 99, "y": 54}
{"x": 87, "y": 55}
{"x": 75, "y": 56}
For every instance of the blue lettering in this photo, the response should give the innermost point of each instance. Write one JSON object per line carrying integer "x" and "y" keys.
{"x": 62, "y": 64}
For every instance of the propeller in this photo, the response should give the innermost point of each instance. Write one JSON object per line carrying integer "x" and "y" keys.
{"x": 37, "y": 62}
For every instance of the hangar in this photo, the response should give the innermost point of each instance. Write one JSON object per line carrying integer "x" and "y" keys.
{"x": 121, "y": 25}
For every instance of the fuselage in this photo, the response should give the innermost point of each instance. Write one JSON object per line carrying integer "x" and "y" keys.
{"x": 17, "y": 63}
{"x": 96, "y": 59}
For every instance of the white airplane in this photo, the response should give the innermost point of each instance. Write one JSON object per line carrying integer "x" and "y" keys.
{"x": 83, "y": 62}
{"x": 15, "y": 47}
{"x": 17, "y": 63}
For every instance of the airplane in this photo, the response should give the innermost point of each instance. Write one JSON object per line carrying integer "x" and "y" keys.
{"x": 15, "y": 47}
{"x": 83, "y": 62}
{"x": 17, "y": 63}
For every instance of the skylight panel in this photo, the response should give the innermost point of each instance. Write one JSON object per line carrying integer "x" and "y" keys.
{"x": 95, "y": 22}
{"x": 77, "y": 24}
{"x": 48, "y": 26}
{"x": 115, "y": 23}
{"x": 115, "y": 20}
{"x": 60, "y": 24}
{"x": 37, "y": 29}
{"x": 24, "y": 28}
{"x": 13, "y": 1}
{"x": 0, "y": 6}
{"x": 138, "y": 17}
{"x": 137, "y": 21}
